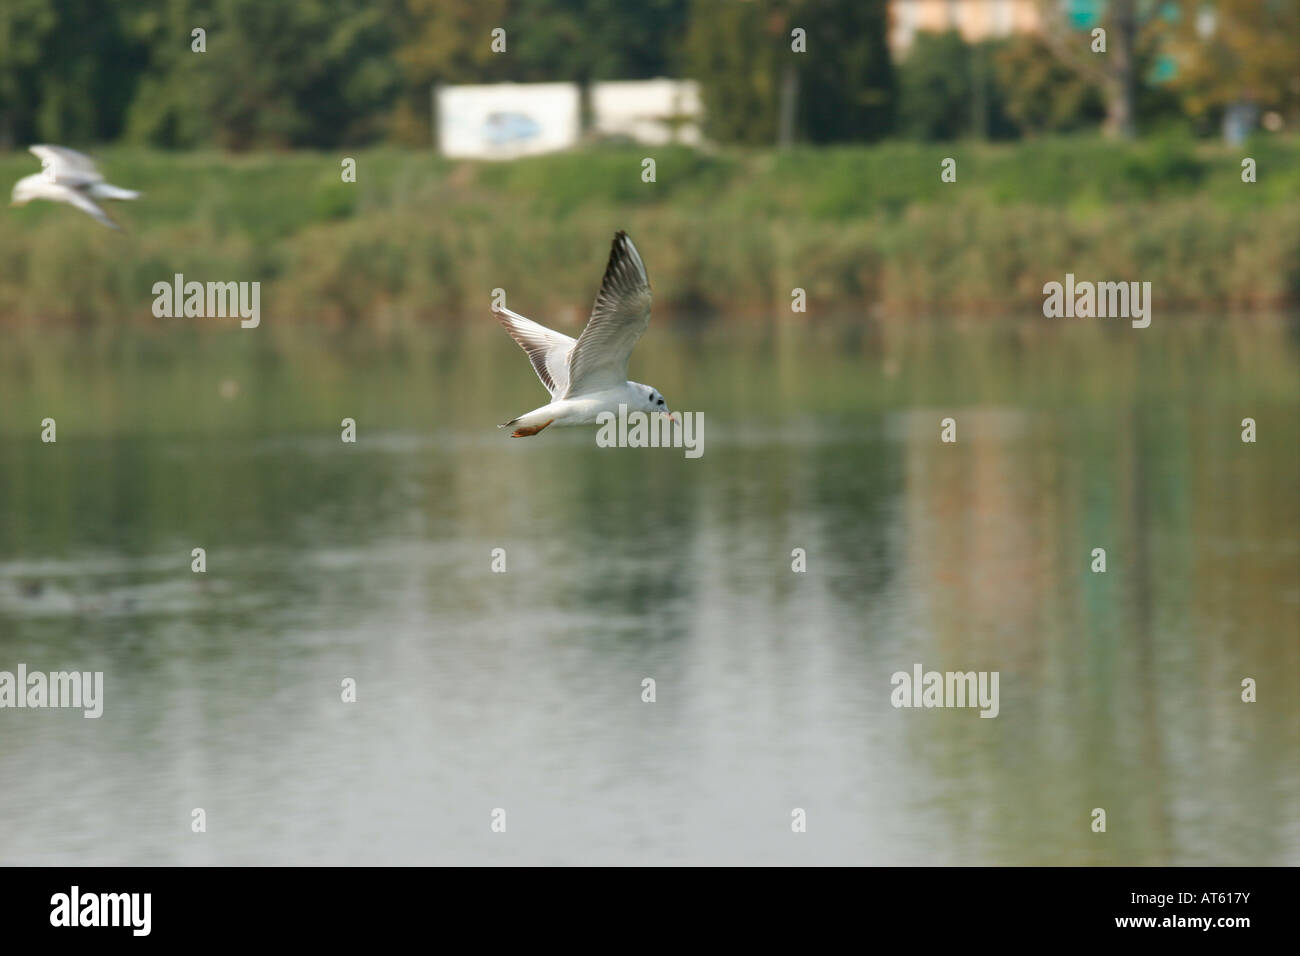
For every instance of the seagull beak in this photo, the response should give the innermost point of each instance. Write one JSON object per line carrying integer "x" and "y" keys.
{"x": 673, "y": 417}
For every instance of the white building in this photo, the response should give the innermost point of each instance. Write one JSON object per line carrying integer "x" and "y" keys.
{"x": 506, "y": 120}
{"x": 647, "y": 111}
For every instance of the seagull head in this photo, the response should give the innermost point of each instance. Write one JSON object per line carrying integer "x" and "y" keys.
{"x": 653, "y": 401}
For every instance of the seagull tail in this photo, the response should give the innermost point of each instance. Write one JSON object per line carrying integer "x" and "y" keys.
{"x": 107, "y": 191}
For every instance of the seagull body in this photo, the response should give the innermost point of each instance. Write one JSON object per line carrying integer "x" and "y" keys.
{"x": 69, "y": 177}
{"x": 587, "y": 376}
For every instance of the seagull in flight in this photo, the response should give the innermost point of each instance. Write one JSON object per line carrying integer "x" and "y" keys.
{"x": 588, "y": 375}
{"x": 71, "y": 177}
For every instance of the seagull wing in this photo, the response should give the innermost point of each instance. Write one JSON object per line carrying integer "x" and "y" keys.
{"x": 76, "y": 197}
{"x": 547, "y": 349}
{"x": 619, "y": 317}
{"x": 67, "y": 166}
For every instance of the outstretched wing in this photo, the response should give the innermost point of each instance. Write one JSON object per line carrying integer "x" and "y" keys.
{"x": 547, "y": 349}
{"x": 619, "y": 317}
{"x": 87, "y": 205}
{"x": 67, "y": 167}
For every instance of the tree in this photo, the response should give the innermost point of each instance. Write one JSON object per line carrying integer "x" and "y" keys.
{"x": 741, "y": 54}
{"x": 1043, "y": 95}
{"x": 25, "y": 26}
{"x": 846, "y": 79}
{"x": 66, "y": 71}
{"x": 449, "y": 41}
{"x": 935, "y": 89}
{"x": 1238, "y": 51}
{"x": 1116, "y": 70}
{"x": 307, "y": 73}
{"x": 732, "y": 54}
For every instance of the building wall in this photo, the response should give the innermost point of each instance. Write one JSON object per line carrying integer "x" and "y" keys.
{"x": 506, "y": 120}
{"x": 647, "y": 111}
{"x": 976, "y": 19}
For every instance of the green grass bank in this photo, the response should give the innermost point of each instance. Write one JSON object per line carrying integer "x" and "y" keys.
{"x": 863, "y": 230}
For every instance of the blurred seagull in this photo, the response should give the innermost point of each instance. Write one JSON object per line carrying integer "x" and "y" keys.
{"x": 588, "y": 375}
{"x": 69, "y": 177}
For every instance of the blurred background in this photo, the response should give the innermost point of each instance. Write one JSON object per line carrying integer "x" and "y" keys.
{"x": 775, "y": 170}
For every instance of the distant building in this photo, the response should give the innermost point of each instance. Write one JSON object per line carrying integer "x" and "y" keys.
{"x": 975, "y": 19}
{"x": 647, "y": 111}
{"x": 507, "y": 120}
{"x": 990, "y": 19}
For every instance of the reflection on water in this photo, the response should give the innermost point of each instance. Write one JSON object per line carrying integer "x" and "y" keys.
{"x": 523, "y": 690}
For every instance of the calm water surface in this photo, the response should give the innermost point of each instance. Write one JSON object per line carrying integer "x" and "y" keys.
{"x": 523, "y": 690}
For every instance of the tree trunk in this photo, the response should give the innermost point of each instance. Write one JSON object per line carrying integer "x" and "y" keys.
{"x": 979, "y": 93}
{"x": 1121, "y": 83}
{"x": 789, "y": 99}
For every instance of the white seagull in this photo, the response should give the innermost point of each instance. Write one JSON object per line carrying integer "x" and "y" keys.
{"x": 71, "y": 177}
{"x": 588, "y": 375}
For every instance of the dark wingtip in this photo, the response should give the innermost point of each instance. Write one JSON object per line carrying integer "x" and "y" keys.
{"x": 617, "y": 249}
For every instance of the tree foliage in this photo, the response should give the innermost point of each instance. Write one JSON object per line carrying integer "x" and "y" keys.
{"x": 1042, "y": 94}
{"x": 1238, "y": 51}
{"x": 741, "y": 53}
{"x": 320, "y": 73}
